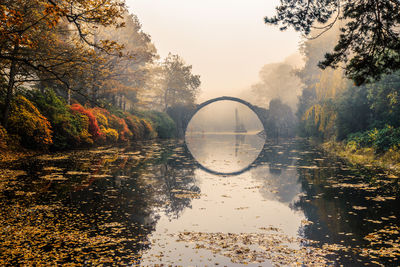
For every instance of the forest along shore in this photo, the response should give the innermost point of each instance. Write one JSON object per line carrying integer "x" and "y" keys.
{"x": 63, "y": 90}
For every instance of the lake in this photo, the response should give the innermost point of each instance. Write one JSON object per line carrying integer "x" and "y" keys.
{"x": 215, "y": 199}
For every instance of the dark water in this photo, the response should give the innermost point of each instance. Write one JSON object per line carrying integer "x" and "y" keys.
{"x": 237, "y": 201}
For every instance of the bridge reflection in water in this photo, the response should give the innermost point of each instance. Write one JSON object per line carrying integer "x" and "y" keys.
{"x": 225, "y": 154}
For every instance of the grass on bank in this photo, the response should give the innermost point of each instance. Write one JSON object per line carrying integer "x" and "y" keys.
{"x": 366, "y": 156}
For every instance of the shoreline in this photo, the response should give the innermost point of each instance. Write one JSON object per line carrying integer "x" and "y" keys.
{"x": 366, "y": 157}
{"x": 12, "y": 155}
{"x": 9, "y": 156}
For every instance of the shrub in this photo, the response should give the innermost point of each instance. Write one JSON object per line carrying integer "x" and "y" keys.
{"x": 27, "y": 122}
{"x": 111, "y": 134}
{"x": 361, "y": 139}
{"x": 381, "y": 140}
{"x": 386, "y": 138}
{"x": 101, "y": 116}
{"x": 120, "y": 126}
{"x": 135, "y": 126}
{"x": 148, "y": 129}
{"x": 352, "y": 146}
{"x": 81, "y": 122}
{"x": 161, "y": 122}
{"x": 112, "y": 122}
{"x": 69, "y": 129}
{"x": 124, "y": 133}
{"x": 93, "y": 127}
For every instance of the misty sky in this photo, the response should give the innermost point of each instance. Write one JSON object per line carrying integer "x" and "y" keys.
{"x": 226, "y": 41}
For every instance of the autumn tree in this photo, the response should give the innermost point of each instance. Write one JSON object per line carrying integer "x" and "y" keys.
{"x": 369, "y": 42}
{"x": 152, "y": 95}
{"x": 179, "y": 86}
{"x": 45, "y": 39}
{"x": 118, "y": 79}
{"x": 316, "y": 109}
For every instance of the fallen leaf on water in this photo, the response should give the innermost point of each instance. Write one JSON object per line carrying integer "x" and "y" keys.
{"x": 359, "y": 208}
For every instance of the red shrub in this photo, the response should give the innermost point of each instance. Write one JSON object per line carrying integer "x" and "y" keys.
{"x": 94, "y": 128}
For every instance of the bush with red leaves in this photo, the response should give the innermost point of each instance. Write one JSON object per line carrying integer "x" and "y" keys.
{"x": 94, "y": 128}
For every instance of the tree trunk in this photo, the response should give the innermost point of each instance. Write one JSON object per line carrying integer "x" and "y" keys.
{"x": 165, "y": 100}
{"x": 114, "y": 99}
{"x": 10, "y": 88}
{"x": 42, "y": 86}
{"x": 69, "y": 96}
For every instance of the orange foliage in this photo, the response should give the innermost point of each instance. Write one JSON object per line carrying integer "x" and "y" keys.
{"x": 93, "y": 127}
{"x": 134, "y": 126}
{"x": 120, "y": 125}
{"x": 112, "y": 122}
{"x": 101, "y": 115}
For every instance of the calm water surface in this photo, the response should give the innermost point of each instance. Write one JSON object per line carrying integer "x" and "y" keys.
{"x": 216, "y": 199}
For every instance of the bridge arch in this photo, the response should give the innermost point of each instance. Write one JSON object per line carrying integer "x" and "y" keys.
{"x": 255, "y": 109}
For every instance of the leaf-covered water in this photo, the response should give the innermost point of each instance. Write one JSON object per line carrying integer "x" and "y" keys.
{"x": 215, "y": 200}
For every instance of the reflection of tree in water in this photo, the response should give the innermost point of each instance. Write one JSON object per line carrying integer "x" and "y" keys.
{"x": 179, "y": 188}
{"x": 107, "y": 203}
{"x": 337, "y": 200}
{"x": 330, "y": 206}
{"x": 275, "y": 170}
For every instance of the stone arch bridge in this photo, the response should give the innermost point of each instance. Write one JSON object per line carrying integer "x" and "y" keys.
{"x": 261, "y": 113}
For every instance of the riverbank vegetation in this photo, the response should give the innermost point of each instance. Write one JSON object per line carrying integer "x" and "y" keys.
{"x": 78, "y": 74}
{"x": 350, "y": 82}
{"x": 362, "y": 120}
{"x": 388, "y": 161}
{"x": 44, "y": 121}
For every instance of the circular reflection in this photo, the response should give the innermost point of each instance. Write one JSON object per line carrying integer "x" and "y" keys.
{"x": 211, "y": 138}
{"x": 224, "y": 153}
